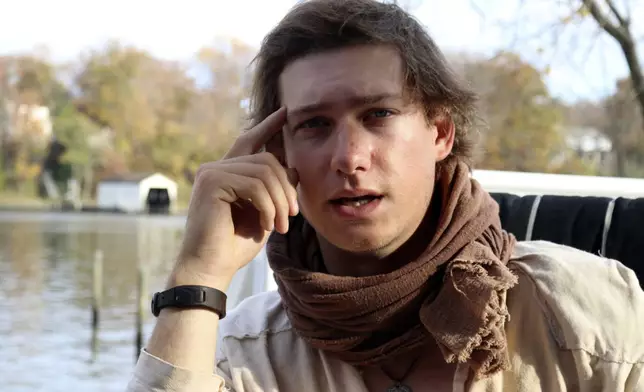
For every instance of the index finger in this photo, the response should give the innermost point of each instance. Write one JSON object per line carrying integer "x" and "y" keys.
{"x": 251, "y": 141}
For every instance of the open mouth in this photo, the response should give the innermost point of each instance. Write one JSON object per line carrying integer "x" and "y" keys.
{"x": 355, "y": 201}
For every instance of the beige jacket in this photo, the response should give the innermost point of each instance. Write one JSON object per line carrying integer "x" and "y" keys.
{"x": 577, "y": 324}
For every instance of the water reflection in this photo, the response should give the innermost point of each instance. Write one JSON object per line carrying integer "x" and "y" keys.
{"x": 46, "y": 287}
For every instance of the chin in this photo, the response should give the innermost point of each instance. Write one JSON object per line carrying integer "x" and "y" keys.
{"x": 365, "y": 236}
{"x": 357, "y": 239}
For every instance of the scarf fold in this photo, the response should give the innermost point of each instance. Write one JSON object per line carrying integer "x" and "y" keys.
{"x": 454, "y": 293}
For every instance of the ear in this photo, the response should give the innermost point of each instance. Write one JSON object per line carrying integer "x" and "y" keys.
{"x": 276, "y": 147}
{"x": 445, "y": 134}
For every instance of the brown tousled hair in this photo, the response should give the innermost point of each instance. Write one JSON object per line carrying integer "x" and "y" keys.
{"x": 320, "y": 25}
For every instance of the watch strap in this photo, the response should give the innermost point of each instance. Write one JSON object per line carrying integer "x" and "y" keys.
{"x": 190, "y": 296}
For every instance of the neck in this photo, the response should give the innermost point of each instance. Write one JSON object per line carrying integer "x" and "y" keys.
{"x": 386, "y": 259}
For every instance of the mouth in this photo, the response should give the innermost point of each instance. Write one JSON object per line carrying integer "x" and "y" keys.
{"x": 358, "y": 201}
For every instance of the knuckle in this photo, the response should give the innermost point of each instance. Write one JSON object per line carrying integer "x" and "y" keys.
{"x": 256, "y": 185}
{"x": 200, "y": 172}
{"x": 203, "y": 170}
{"x": 205, "y": 180}
{"x": 267, "y": 158}
{"x": 265, "y": 173}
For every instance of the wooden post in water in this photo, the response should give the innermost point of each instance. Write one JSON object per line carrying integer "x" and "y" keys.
{"x": 143, "y": 304}
{"x": 97, "y": 297}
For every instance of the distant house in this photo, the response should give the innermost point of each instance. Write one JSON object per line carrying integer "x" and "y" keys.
{"x": 137, "y": 193}
{"x": 591, "y": 145}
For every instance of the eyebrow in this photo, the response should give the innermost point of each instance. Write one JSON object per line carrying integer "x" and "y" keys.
{"x": 354, "y": 101}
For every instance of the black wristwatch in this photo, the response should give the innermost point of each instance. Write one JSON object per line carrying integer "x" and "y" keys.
{"x": 190, "y": 297}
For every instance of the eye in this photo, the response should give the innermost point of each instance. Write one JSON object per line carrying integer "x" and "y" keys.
{"x": 379, "y": 113}
{"x": 378, "y": 116}
{"x": 316, "y": 122}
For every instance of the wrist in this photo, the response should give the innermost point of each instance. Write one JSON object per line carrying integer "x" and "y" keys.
{"x": 185, "y": 277}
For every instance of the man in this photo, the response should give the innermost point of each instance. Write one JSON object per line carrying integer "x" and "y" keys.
{"x": 393, "y": 271}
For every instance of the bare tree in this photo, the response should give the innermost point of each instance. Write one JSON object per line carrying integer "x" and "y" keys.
{"x": 623, "y": 125}
{"x": 618, "y": 25}
{"x": 609, "y": 20}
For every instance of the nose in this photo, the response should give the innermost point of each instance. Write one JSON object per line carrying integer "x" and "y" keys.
{"x": 352, "y": 149}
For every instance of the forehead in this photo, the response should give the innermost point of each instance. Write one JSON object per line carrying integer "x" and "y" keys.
{"x": 337, "y": 75}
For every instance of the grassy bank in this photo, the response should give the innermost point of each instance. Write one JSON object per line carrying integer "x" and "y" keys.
{"x": 18, "y": 200}
{"x": 28, "y": 202}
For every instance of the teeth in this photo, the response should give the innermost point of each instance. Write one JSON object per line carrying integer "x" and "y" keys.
{"x": 357, "y": 203}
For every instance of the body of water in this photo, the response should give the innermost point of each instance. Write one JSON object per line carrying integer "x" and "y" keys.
{"x": 46, "y": 295}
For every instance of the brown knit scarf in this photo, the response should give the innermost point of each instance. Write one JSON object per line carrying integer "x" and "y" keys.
{"x": 454, "y": 293}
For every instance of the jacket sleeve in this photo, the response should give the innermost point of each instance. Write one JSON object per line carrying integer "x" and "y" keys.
{"x": 152, "y": 374}
{"x": 592, "y": 309}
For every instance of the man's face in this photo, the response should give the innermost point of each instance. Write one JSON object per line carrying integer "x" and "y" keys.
{"x": 365, "y": 155}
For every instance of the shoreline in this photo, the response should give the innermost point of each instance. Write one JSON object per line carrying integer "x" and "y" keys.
{"x": 11, "y": 202}
{"x": 43, "y": 208}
